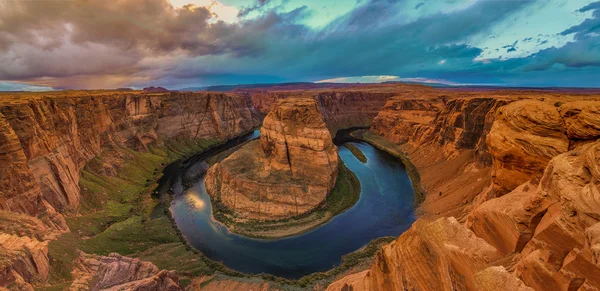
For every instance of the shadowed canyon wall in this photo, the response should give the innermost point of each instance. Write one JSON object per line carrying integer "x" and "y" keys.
{"x": 46, "y": 140}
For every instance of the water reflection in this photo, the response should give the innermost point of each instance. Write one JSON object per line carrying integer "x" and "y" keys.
{"x": 385, "y": 208}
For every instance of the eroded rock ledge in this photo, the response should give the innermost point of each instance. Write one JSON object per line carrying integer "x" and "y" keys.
{"x": 285, "y": 174}
{"x": 533, "y": 227}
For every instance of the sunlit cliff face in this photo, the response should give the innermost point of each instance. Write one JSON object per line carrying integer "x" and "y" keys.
{"x": 182, "y": 43}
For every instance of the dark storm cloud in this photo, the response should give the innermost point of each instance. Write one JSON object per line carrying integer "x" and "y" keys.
{"x": 360, "y": 44}
{"x": 258, "y": 5}
{"x": 584, "y": 51}
{"x": 139, "y": 42}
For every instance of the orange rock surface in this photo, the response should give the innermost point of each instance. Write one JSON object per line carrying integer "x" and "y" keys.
{"x": 342, "y": 108}
{"x": 539, "y": 213}
{"x": 47, "y": 138}
{"x": 525, "y": 136}
{"x": 116, "y": 272}
{"x": 438, "y": 255}
{"x": 287, "y": 173}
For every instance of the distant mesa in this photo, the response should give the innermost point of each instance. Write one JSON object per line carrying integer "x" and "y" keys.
{"x": 153, "y": 89}
{"x": 288, "y": 172}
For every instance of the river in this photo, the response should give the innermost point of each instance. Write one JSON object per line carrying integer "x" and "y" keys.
{"x": 385, "y": 208}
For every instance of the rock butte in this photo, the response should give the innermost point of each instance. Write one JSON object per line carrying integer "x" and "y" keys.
{"x": 512, "y": 180}
{"x": 288, "y": 172}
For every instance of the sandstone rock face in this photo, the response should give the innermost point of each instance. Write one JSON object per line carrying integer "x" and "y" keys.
{"x": 340, "y": 109}
{"x": 540, "y": 214}
{"x": 452, "y": 123}
{"x": 294, "y": 139}
{"x": 405, "y": 120}
{"x": 524, "y": 137}
{"x": 439, "y": 255}
{"x": 46, "y": 141}
{"x": 582, "y": 119}
{"x": 551, "y": 224}
{"x": 287, "y": 173}
{"x": 116, "y": 272}
{"x": 23, "y": 261}
{"x": 509, "y": 222}
{"x": 444, "y": 135}
{"x": 498, "y": 279}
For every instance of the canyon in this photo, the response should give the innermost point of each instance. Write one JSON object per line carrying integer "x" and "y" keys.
{"x": 511, "y": 182}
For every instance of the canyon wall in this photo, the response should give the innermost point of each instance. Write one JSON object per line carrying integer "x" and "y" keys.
{"x": 45, "y": 141}
{"x": 341, "y": 109}
{"x": 534, "y": 223}
{"x": 288, "y": 172}
{"x": 452, "y": 123}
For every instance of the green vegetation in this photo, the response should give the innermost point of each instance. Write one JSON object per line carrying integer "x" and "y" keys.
{"x": 392, "y": 148}
{"x": 344, "y": 195}
{"x": 118, "y": 212}
{"x": 356, "y": 152}
{"x": 365, "y": 254}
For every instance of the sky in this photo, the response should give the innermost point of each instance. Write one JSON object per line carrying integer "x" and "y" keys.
{"x": 99, "y": 44}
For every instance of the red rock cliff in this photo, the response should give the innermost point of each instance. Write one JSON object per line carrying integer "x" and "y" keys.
{"x": 542, "y": 235}
{"x": 287, "y": 173}
{"x": 46, "y": 139}
{"x": 340, "y": 109}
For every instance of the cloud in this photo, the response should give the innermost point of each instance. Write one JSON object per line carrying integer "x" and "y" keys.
{"x": 258, "y": 5}
{"x": 90, "y": 44}
{"x": 360, "y": 79}
{"x": 16, "y": 86}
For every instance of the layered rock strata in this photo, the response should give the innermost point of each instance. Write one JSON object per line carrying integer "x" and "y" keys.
{"x": 340, "y": 108}
{"x": 438, "y": 255}
{"x": 544, "y": 231}
{"x": 288, "y": 172}
{"x": 46, "y": 139}
{"x": 116, "y": 272}
{"x": 524, "y": 137}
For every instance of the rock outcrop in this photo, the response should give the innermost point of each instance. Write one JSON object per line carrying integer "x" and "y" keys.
{"x": 582, "y": 119}
{"x": 540, "y": 214}
{"x": 116, "y": 272}
{"x": 24, "y": 261}
{"x": 287, "y": 173}
{"x": 438, "y": 255}
{"x": 525, "y": 136}
{"x": 340, "y": 109}
{"x": 46, "y": 139}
